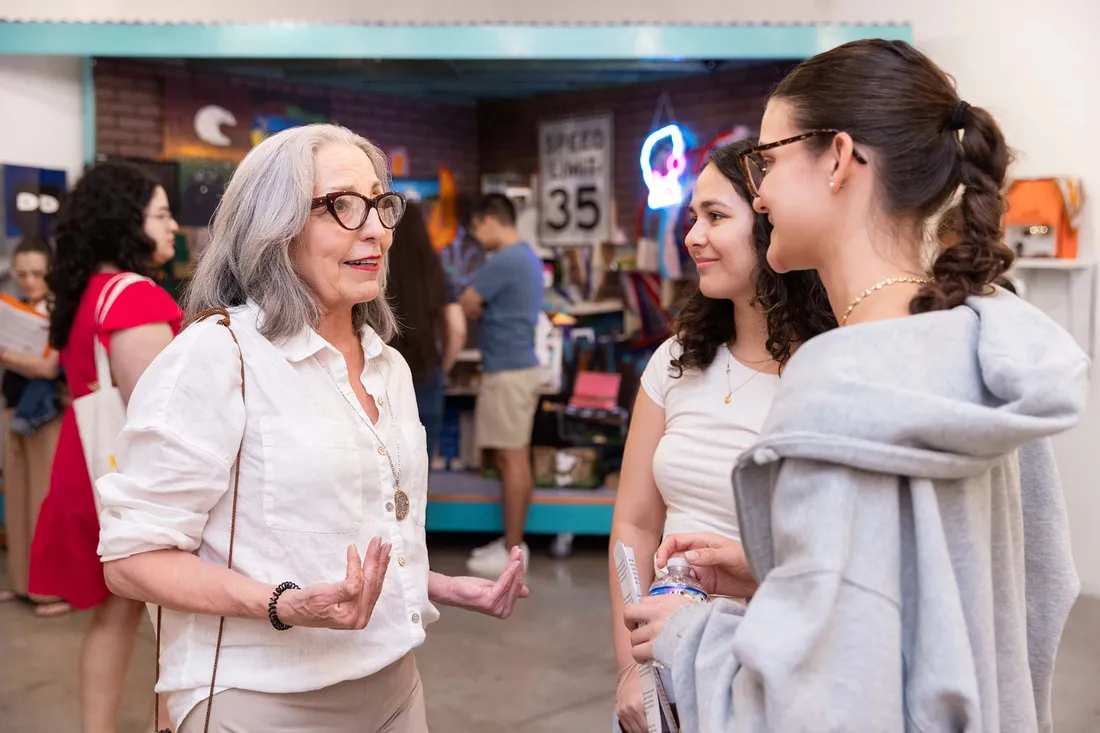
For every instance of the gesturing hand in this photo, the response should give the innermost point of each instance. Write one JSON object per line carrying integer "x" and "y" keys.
{"x": 484, "y": 596}
{"x": 347, "y": 604}
{"x": 719, "y": 562}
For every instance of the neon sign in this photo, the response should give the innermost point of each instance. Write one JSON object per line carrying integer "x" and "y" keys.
{"x": 665, "y": 188}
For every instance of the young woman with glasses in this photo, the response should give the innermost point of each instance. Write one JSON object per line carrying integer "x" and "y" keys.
{"x": 115, "y": 226}
{"x": 902, "y": 510}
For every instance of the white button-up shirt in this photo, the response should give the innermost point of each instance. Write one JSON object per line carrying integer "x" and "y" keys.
{"x": 314, "y": 478}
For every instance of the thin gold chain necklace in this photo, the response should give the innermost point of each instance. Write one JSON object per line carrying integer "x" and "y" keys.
{"x": 729, "y": 366}
{"x": 879, "y": 286}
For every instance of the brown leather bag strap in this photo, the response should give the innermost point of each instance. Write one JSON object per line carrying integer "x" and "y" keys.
{"x": 222, "y": 321}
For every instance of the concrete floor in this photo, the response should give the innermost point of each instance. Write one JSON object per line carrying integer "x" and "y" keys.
{"x": 548, "y": 669}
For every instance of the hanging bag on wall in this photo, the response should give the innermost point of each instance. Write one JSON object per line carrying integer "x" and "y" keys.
{"x": 101, "y": 415}
{"x": 1041, "y": 217}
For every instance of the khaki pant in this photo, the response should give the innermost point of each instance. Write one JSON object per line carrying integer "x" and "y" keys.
{"x": 389, "y": 701}
{"x": 27, "y": 464}
{"x": 506, "y": 406}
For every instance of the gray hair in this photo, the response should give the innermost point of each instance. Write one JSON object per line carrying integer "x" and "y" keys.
{"x": 265, "y": 208}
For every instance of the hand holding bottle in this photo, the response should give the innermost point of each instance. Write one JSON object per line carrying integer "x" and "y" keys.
{"x": 719, "y": 562}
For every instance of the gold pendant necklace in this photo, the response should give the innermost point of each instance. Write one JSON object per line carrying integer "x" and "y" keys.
{"x": 401, "y": 503}
{"x": 729, "y": 365}
{"x": 879, "y": 286}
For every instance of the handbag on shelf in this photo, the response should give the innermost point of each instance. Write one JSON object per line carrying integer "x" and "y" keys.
{"x": 223, "y": 320}
{"x": 101, "y": 414}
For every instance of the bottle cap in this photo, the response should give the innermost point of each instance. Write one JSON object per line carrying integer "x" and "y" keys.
{"x": 677, "y": 562}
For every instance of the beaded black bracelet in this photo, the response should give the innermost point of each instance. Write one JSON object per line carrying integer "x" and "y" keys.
{"x": 272, "y": 613}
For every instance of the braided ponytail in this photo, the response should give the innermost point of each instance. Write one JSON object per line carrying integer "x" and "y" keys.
{"x": 891, "y": 98}
{"x": 980, "y": 256}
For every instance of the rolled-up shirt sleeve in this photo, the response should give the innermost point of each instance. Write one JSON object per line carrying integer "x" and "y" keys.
{"x": 175, "y": 456}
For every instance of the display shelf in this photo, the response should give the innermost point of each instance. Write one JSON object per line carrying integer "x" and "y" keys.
{"x": 472, "y": 392}
{"x": 464, "y": 501}
{"x": 595, "y": 307}
{"x": 1067, "y": 294}
{"x": 1050, "y": 263}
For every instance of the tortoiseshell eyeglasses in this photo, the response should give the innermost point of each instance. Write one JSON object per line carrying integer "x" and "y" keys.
{"x": 755, "y": 167}
{"x": 351, "y": 209}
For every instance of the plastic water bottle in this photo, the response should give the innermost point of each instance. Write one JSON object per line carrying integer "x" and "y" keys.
{"x": 679, "y": 581}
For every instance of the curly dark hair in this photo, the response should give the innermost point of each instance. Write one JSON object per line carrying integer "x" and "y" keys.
{"x": 416, "y": 290}
{"x": 795, "y": 305}
{"x": 101, "y": 222}
{"x": 891, "y": 97}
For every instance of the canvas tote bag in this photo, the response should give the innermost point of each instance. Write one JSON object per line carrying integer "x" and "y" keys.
{"x": 101, "y": 415}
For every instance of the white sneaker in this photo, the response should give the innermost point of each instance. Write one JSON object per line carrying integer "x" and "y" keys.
{"x": 493, "y": 546}
{"x": 491, "y": 563}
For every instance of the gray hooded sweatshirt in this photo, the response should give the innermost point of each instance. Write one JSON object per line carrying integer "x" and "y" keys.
{"x": 904, "y": 513}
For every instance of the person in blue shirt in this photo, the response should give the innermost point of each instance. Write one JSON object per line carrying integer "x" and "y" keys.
{"x": 506, "y": 295}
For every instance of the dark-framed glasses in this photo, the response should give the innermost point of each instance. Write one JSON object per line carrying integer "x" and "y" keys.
{"x": 755, "y": 167}
{"x": 351, "y": 209}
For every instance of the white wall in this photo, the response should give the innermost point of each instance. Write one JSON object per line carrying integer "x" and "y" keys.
{"x": 40, "y": 112}
{"x": 1032, "y": 69}
{"x": 1033, "y": 64}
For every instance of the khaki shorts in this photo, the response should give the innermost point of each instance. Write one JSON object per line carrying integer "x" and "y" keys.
{"x": 505, "y": 410}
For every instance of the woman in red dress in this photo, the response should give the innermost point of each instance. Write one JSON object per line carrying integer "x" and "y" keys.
{"x": 116, "y": 220}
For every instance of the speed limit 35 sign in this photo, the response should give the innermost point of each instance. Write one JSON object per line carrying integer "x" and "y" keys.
{"x": 575, "y": 158}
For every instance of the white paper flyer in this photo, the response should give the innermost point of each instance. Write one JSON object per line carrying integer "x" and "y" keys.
{"x": 653, "y": 692}
{"x": 22, "y": 330}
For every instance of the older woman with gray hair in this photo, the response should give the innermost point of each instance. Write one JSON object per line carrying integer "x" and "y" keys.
{"x": 273, "y": 438}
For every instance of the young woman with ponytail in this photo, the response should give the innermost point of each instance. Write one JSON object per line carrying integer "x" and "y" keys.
{"x": 902, "y": 509}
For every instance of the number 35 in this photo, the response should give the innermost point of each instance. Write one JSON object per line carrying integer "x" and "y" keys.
{"x": 586, "y": 203}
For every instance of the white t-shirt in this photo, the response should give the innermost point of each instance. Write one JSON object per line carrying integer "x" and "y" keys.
{"x": 703, "y": 436}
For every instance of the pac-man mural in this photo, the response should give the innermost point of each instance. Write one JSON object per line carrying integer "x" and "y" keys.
{"x": 206, "y": 120}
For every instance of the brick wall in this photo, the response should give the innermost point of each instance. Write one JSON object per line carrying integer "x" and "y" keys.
{"x": 704, "y": 105}
{"x": 129, "y": 108}
{"x": 130, "y": 118}
{"x": 494, "y": 137}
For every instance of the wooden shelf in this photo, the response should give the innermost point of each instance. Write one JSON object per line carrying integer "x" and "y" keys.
{"x": 595, "y": 307}
{"x": 472, "y": 392}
